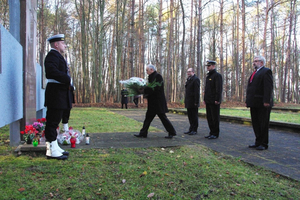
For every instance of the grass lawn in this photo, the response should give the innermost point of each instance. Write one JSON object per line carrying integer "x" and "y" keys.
{"x": 187, "y": 172}
{"x": 289, "y": 117}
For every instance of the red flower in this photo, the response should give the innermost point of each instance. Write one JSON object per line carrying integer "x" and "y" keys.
{"x": 29, "y": 129}
{"x": 42, "y": 120}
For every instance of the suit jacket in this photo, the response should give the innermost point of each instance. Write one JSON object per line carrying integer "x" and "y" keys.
{"x": 192, "y": 92}
{"x": 213, "y": 87}
{"x": 156, "y": 98}
{"x": 57, "y": 95}
{"x": 260, "y": 90}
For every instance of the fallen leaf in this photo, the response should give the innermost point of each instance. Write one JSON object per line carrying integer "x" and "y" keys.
{"x": 69, "y": 198}
{"x": 21, "y": 189}
{"x": 150, "y": 195}
{"x": 184, "y": 163}
{"x": 123, "y": 181}
{"x": 170, "y": 183}
{"x": 192, "y": 157}
{"x": 143, "y": 174}
{"x": 253, "y": 182}
{"x": 238, "y": 184}
{"x": 171, "y": 151}
{"x": 51, "y": 195}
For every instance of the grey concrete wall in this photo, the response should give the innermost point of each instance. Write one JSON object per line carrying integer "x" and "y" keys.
{"x": 11, "y": 79}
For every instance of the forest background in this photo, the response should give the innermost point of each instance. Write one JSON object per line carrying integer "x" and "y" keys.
{"x": 113, "y": 40}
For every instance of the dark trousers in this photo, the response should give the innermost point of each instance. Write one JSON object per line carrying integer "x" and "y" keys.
{"x": 260, "y": 118}
{"x": 66, "y": 116}
{"x": 136, "y": 101}
{"x": 193, "y": 118}
{"x": 213, "y": 118}
{"x": 163, "y": 118}
{"x": 53, "y": 118}
{"x": 125, "y": 105}
{"x": 124, "y": 100}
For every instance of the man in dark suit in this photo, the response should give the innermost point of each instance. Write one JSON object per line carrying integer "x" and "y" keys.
{"x": 58, "y": 97}
{"x": 213, "y": 99}
{"x": 124, "y": 99}
{"x": 157, "y": 104}
{"x": 191, "y": 101}
{"x": 260, "y": 100}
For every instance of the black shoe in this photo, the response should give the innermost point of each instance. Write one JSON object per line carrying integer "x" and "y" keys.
{"x": 253, "y": 146}
{"x": 212, "y": 137}
{"x": 63, "y": 157}
{"x": 139, "y": 135}
{"x": 261, "y": 147}
{"x": 187, "y": 132}
{"x": 65, "y": 153}
{"x": 207, "y": 136}
{"x": 170, "y": 136}
{"x": 193, "y": 133}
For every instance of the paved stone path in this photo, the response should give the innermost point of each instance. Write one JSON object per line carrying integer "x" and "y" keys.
{"x": 283, "y": 155}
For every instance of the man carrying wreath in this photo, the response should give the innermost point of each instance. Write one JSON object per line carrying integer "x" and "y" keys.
{"x": 157, "y": 104}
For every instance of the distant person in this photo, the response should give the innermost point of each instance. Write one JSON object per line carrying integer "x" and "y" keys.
{"x": 213, "y": 99}
{"x": 124, "y": 100}
{"x": 157, "y": 104}
{"x": 191, "y": 101}
{"x": 259, "y": 98}
{"x": 57, "y": 94}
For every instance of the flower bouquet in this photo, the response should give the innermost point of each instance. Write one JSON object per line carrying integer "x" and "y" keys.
{"x": 34, "y": 132}
{"x": 29, "y": 133}
{"x": 136, "y": 85}
{"x": 64, "y": 138}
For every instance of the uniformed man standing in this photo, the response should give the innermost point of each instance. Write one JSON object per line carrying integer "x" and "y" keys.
{"x": 213, "y": 99}
{"x": 57, "y": 95}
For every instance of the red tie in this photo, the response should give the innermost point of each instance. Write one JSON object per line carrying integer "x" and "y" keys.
{"x": 251, "y": 78}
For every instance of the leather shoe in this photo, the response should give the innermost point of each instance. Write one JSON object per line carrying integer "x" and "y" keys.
{"x": 62, "y": 157}
{"x": 212, "y": 137}
{"x": 261, "y": 147}
{"x": 207, "y": 136}
{"x": 187, "y": 132}
{"x": 253, "y": 146}
{"x": 193, "y": 133}
{"x": 170, "y": 136}
{"x": 139, "y": 135}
